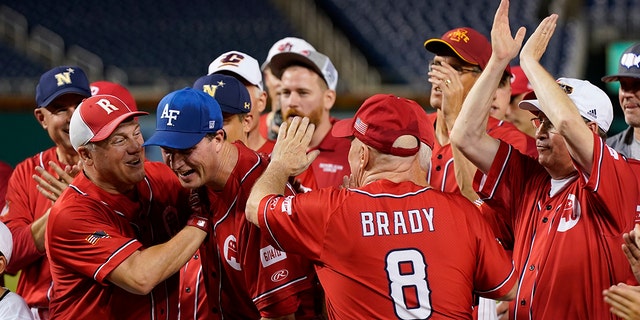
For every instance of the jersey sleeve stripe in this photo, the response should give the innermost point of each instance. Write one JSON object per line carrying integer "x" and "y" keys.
{"x": 500, "y": 285}
{"x": 115, "y": 253}
{"x": 502, "y": 171}
{"x": 599, "y": 166}
{"x": 278, "y": 288}
{"x": 266, "y": 221}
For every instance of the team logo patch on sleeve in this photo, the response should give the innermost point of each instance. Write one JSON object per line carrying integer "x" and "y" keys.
{"x": 94, "y": 237}
{"x": 270, "y": 255}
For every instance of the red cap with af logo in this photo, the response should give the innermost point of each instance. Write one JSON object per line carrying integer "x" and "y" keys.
{"x": 381, "y": 120}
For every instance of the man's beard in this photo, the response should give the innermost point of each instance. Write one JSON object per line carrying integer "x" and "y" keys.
{"x": 314, "y": 117}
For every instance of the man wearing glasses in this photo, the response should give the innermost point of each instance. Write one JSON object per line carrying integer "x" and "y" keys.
{"x": 460, "y": 56}
{"x": 571, "y": 206}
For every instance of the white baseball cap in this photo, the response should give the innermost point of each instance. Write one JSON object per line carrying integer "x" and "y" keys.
{"x": 6, "y": 241}
{"x": 314, "y": 60}
{"x": 288, "y": 44}
{"x": 592, "y": 102}
{"x": 240, "y": 64}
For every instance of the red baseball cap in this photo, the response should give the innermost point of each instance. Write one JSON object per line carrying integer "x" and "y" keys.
{"x": 519, "y": 82}
{"x": 467, "y": 43}
{"x": 380, "y": 121}
{"x": 97, "y": 117}
{"x": 114, "y": 89}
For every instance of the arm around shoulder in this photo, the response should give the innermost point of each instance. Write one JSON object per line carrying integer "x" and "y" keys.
{"x": 145, "y": 269}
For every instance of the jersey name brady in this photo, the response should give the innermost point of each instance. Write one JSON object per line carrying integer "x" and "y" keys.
{"x": 398, "y": 222}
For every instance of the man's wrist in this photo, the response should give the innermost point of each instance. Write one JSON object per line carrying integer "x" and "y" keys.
{"x": 199, "y": 222}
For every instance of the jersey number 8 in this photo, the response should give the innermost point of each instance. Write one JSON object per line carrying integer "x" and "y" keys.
{"x": 407, "y": 275}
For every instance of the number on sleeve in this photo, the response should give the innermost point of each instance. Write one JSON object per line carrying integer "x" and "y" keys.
{"x": 406, "y": 271}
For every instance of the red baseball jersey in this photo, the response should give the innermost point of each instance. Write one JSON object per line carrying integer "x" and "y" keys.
{"x": 246, "y": 277}
{"x": 90, "y": 232}
{"x": 568, "y": 233}
{"x": 25, "y": 205}
{"x": 193, "y": 295}
{"x": 5, "y": 174}
{"x": 331, "y": 165}
{"x": 391, "y": 250}
{"x": 266, "y": 148}
{"x": 442, "y": 175}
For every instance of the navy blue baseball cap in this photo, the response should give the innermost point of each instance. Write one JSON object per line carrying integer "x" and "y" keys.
{"x": 228, "y": 91}
{"x": 183, "y": 118}
{"x": 61, "y": 80}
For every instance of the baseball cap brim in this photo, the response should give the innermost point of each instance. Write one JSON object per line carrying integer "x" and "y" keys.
{"x": 108, "y": 129}
{"x": 175, "y": 140}
{"x": 529, "y": 102}
{"x": 439, "y": 46}
{"x": 78, "y": 91}
{"x": 281, "y": 61}
{"x": 616, "y": 77}
{"x": 343, "y": 128}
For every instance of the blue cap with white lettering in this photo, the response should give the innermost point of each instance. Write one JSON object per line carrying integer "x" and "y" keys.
{"x": 183, "y": 118}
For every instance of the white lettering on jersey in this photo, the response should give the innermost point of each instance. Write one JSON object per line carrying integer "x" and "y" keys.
{"x": 613, "y": 152}
{"x": 231, "y": 252}
{"x": 270, "y": 255}
{"x": 169, "y": 114}
{"x": 106, "y": 105}
{"x": 381, "y": 224}
{"x": 286, "y": 205}
{"x": 572, "y": 211}
{"x": 330, "y": 167}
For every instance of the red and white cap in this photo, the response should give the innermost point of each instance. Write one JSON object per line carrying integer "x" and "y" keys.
{"x": 288, "y": 44}
{"x": 381, "y": 120}
{"x": 114, "y": 89}
{"x": 97, "y": 117}
{"x": 237, "y": 63}
{"x": 6, "y": 242}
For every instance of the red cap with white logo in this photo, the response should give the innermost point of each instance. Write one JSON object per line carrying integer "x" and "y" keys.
{"x": 97, "y": 117}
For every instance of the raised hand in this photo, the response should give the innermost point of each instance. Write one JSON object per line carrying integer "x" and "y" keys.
{"x": 50, "y": 186}
{"x": 631, "y": 249}
{"x": 535, "y": 47}
{"x": 503, "y": 45}
{"x": 624, "y": 300}
{"x": 290, "y": 150}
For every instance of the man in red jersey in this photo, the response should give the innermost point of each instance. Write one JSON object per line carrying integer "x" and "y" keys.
{"x": 58, "y": 93}
{"x": 51, "y": 185}
{"x": 309, "y": 82}
{"x": 570, "y": 207}
{"x": 246, "y": 69}
{"x": 386, "y": 247}
{"x": 245, "y": 277}
{"x": 461, "y": 55}
{"x": 115, "y": 237}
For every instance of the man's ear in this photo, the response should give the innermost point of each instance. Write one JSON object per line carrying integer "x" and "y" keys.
{"x": 3, "y": 265}
{"x": 39, "y": 114}
{"x": 593, "y": 126}
{"x": 247, "y": 121}
{"x": 85, "y": 155}
{"x": 329, "y": 99}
